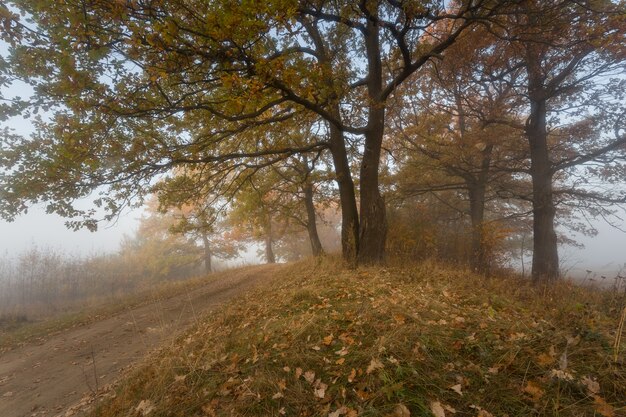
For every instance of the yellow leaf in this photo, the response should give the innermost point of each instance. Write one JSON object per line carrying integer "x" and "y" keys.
{"x": 340, "y": 361}
{"x": 328, "y": 340}
{"x": 399, "y": 318}
{"x": 352, "y": 375}
{"x": 533, "y": 390}
{"x": 282, "y": 384}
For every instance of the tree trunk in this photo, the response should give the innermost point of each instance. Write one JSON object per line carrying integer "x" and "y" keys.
{"x": 347, "y": 198}
{"x": 478, "y": 261}
{"x": 269, "y": 252}
{"x": 477, "y": 190}
{"x": 270, "y": 258}
{"x": 316, "y": 244}
{"x": 207, "y": 254}
{"x": 343, "y": 176}
{"x": 373, "y": 226}
{"x": 545, "y": 265}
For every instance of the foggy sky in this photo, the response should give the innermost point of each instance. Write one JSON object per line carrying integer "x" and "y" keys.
{"x": 604, "y": 254}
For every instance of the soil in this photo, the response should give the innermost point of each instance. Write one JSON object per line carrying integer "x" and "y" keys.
{"x": 65, "y": 374}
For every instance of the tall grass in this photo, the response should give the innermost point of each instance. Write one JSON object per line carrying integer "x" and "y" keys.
{"x": 42, "y": 281}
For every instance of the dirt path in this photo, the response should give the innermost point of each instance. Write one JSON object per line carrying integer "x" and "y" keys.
{"x": 58, "y": 376}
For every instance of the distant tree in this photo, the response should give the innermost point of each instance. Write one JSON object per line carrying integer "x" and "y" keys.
{"x": 445, "y": 143}
{"x": 569, "y": 51}
{"x": 158, "y": 253}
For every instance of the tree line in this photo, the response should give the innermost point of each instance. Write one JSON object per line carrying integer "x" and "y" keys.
{"x": 493, "y": 110}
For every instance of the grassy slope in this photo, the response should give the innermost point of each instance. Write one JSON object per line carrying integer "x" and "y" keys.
{"x": 374, "y": 342}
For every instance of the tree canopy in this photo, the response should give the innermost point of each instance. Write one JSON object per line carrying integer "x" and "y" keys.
{"x": 127, "y": 93}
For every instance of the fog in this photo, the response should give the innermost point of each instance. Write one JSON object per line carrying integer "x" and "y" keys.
{"x": 603, "y": 254}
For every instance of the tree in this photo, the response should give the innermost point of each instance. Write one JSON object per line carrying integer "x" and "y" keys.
{"x": 138, "y": 88}
{"x": 566, "y": 49}
{"x": 445, "y": 142}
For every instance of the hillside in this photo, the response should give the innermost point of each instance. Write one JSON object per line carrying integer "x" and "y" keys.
{"x": 412, "y": 341}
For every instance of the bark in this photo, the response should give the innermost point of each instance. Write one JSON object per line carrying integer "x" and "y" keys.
{"x": 373, "y": 225}
{"x": 347, "y": 198}
{"x": 478, "y": 260}
{"x": 477, "y": 190}
{"x": 207, "y": 254}
{"x": 316, "y": 244}
{"x": 343, "y": 176}
{"x": 269, "y": 251}
{"x": 545, "y": 265}
{"x": 269, "y": 242}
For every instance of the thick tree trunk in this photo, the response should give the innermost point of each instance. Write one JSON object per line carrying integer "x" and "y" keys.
{"x": 373, "y": 226}
{"x": 477, "y": 190}
{"x": 347, "y": 198}
{"x": 478, "y": 261}
{"x": 207, "y": 254}
{"x": 545, "y": 266}
{"x": 343, "y": 176}
{"x": 270, "y": 258}
{"x": 316, "y": 244}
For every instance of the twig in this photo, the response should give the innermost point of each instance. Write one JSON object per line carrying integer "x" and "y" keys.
{"x": 618, "y": 336}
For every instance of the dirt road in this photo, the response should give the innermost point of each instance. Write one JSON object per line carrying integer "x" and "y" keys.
{"x": 59, "y": 376}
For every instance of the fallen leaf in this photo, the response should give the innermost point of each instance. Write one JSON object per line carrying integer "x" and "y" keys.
{"x": 338, "y": 412}
{"x": 557, "y": 373}
{"x": 277, "y": 396}
{"x": 352, "y": 375}
{"x": 457, "y": 388}
{"x": 534, "y": 390}
{"x": 399, "y": 318}
{"x": 545, "y": 359}
{"x": 144, "y": 407}
{"x": 298, "y": 373}
{"x": 592, "y": 385}
{"x": 309, "y": 376}
{"x": 340, "y": 361}
{"x": 602, "y": 407}
{"x": 401, "y": 411}
{"x": 437, "y": 409}
{"x": 282, "y": 384}
{"x": 342, "y": 352}
{"x": 328, "y": 340}
{"x": 374, "y": 365}
{"x": 320, "y": 390}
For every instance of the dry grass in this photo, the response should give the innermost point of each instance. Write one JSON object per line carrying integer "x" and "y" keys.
{"x": 18, "y": 329}
{"x": 327, "y": 341}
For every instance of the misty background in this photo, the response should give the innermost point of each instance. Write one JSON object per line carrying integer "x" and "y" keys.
{"x": 604, "y": 253}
